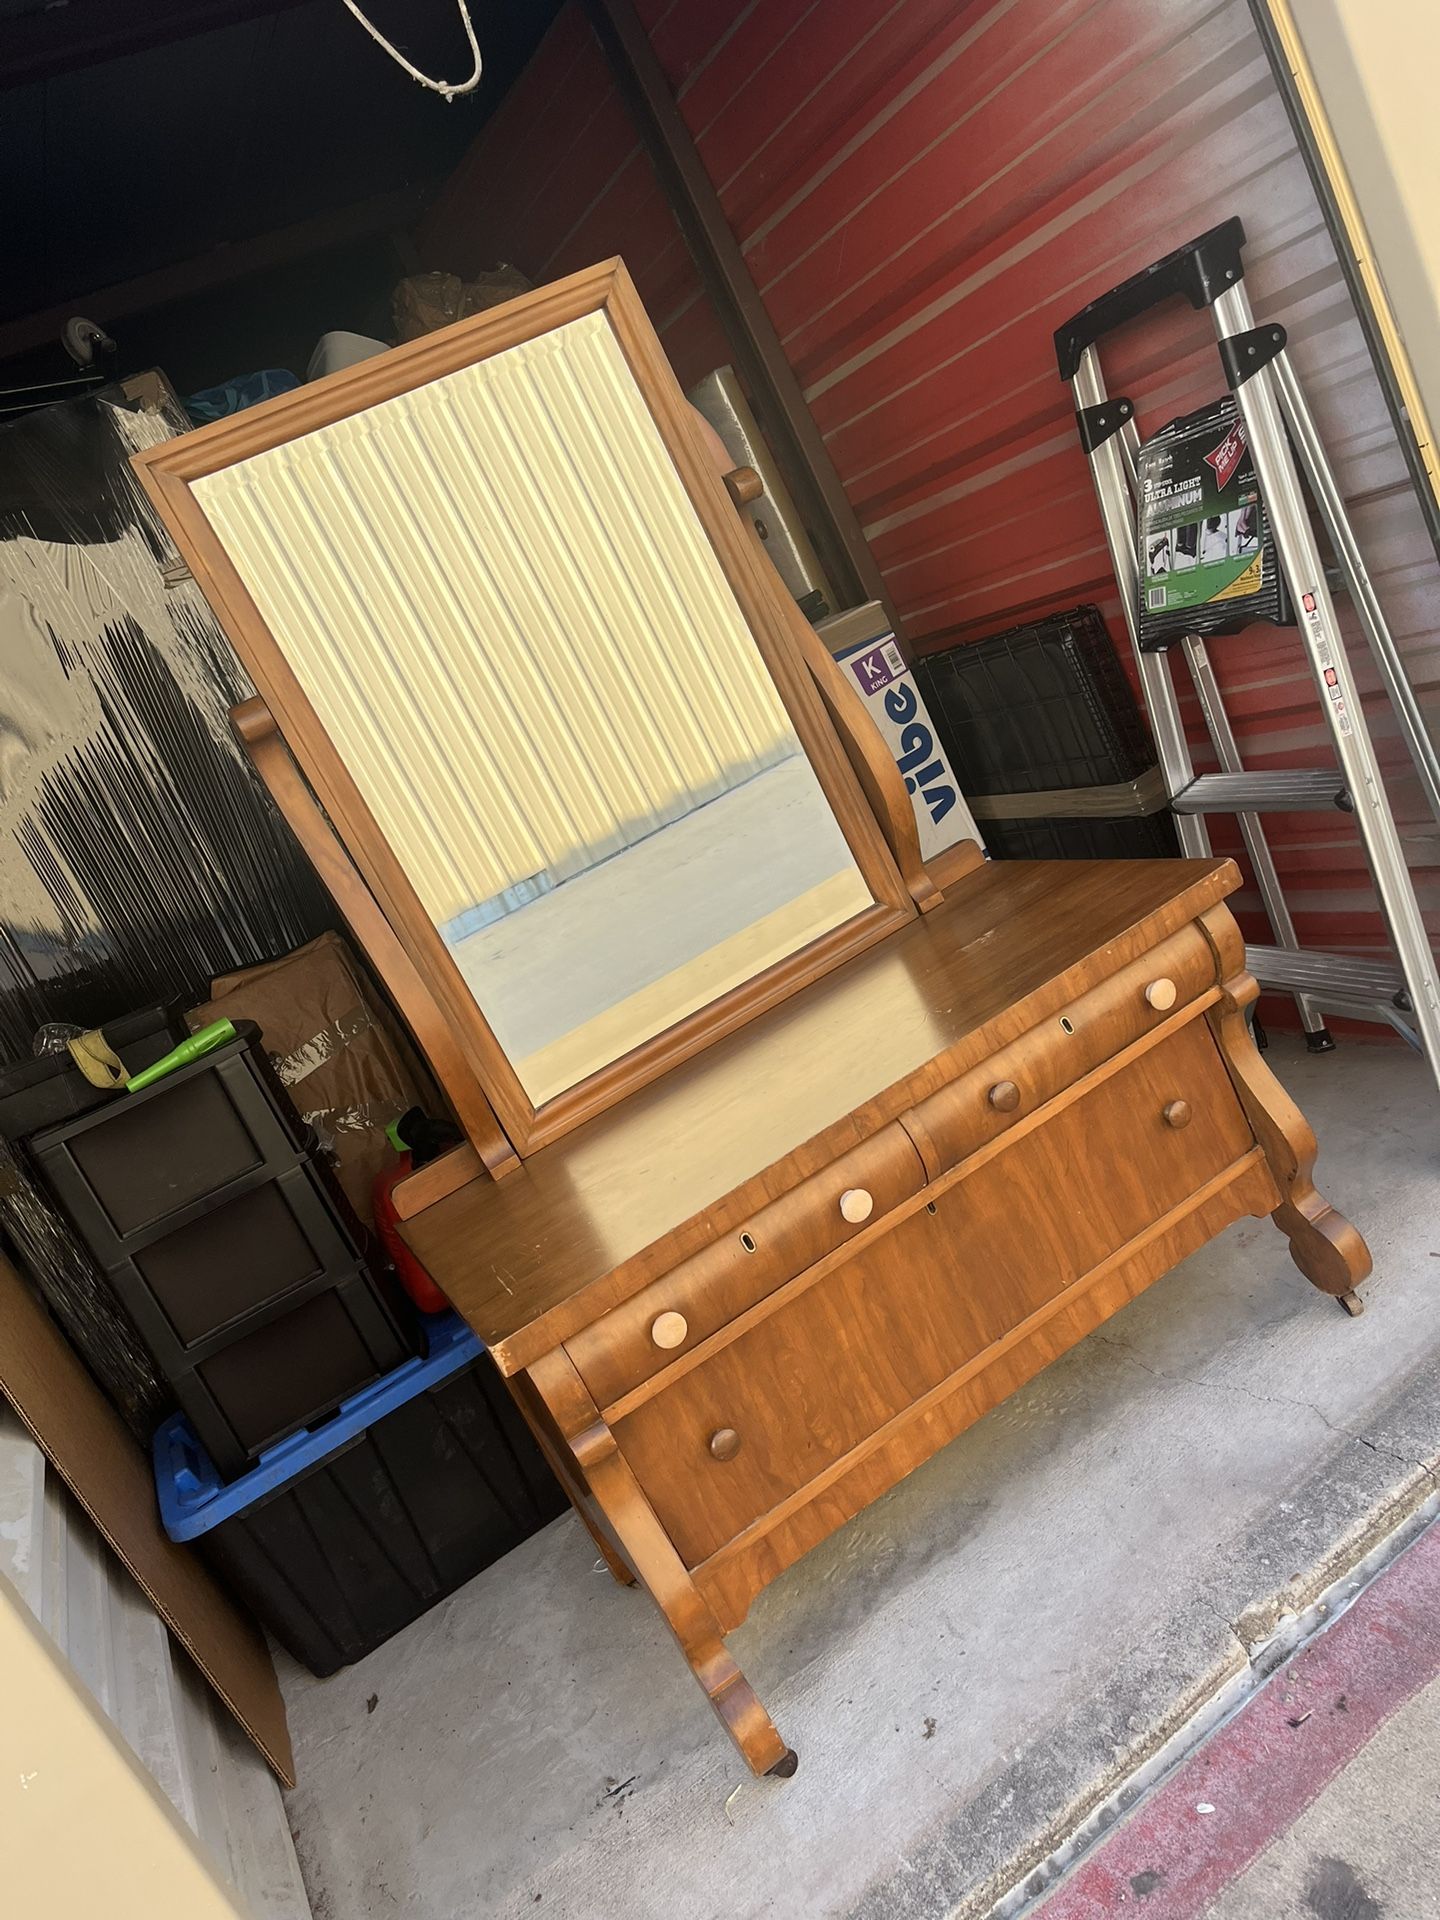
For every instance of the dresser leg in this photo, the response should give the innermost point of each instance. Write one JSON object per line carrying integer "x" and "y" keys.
{"x": 735, "y": 1701}
{"x": 606, "y": 1479}
{"x": 1323, "y": 1244}
{"x": 561, "y": 1463}
{"x": 622, "y": 1574}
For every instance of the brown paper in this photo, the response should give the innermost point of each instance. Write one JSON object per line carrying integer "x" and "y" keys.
{"x": 341, "y": 1054}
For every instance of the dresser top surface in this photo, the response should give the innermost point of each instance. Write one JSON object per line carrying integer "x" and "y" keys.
{"x": 800, "y": 1083}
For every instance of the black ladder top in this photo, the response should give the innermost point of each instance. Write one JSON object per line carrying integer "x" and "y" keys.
{"x": 1200, "y": 270}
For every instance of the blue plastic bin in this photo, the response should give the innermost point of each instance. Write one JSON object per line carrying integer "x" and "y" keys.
{"x": 344, "y": 1533}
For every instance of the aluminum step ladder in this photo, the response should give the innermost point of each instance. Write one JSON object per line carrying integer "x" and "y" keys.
{"x": 1405, "y": 994}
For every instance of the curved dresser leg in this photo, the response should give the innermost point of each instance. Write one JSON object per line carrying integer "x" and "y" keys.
{"x": 648, "y": 1549}
{"x": 1323, "y": 1244}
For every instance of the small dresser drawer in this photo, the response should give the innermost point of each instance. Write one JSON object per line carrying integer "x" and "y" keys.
{"x": 703, "y": 1293}
{"x": 981, "y": 1104}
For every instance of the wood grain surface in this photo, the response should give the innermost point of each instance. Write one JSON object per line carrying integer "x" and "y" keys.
{"x": 806, "y": 1383}
{"x": 738, "y": 1380}
{"x": 740, "y": 1569}
{"x": 1323, "y": 1244}
{"x": 743, "y": 1266}
{"x": 591, "y": 1219}
{"x": 645, "y": 1548}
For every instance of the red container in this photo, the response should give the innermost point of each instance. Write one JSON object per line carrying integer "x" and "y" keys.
{"x": 413, "y": 1277}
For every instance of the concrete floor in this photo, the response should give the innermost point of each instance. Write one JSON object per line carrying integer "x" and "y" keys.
{"x": 967, "y": 1666}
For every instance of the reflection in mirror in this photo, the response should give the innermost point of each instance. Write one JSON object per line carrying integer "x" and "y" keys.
{"x": 497, "y": 597}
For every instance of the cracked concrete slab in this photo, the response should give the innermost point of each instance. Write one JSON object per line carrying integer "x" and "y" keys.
{"x": 965, "y": 1668}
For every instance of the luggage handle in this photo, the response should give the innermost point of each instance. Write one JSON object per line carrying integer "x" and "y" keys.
{"x": 1201, "y": 270}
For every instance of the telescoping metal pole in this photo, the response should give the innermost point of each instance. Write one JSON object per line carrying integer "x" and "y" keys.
{"x": 1367, "y": 605}
{"x": 1319, "y": 629}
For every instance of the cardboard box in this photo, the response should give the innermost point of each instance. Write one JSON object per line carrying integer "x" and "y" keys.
{"x": 85, "y": 1441}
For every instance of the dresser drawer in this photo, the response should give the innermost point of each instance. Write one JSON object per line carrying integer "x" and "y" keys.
{"x": 674, "y": 1314}
{"x": 983, "y": 1103}
{"x": 758, "y": 1420}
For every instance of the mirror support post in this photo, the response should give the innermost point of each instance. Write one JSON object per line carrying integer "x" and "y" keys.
{"x": 865, "y": 748}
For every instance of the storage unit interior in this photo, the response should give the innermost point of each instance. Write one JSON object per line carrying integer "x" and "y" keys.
{"x": 918, "y": 193}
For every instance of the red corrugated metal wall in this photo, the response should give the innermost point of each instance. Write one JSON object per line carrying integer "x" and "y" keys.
{"x": 558, "y": 180}
{"x": 922, "y": 191}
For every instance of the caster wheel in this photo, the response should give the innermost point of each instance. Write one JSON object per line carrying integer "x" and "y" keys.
{"x": 785, "y": 1766}
{"x": 1353, "y": 1304}
{"x": 1321, "y": 1041}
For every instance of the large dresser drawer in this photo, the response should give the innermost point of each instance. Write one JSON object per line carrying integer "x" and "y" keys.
{"x": 982, "y": 1104}
{"x": 760, "y": 1418}
{"x": 672, "y": 1315}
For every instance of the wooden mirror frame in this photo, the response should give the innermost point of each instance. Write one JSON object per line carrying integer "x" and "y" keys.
{"x": 399, "y": 937}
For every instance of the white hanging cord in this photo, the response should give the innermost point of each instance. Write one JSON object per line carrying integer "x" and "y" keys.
{"x": 442, "y": 87}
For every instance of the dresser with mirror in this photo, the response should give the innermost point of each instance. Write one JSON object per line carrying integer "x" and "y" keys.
{"x": 786, "y": 1156}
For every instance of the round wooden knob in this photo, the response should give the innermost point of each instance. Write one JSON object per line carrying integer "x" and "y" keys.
{"x": 724, "y": 1443}
{"x": 669, "y": 1329}
{"x": 856, "y": 1205}
{"x": 1004, "y": 1096}
{"x": 743, "y": 485}
{"x": 1176, "y": 1113}
{"x": 1161, "y": 994}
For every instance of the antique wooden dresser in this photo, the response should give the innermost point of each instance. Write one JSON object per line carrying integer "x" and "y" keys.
{"x": 746, "y": 1302}
{"x": 787, "y": 1156}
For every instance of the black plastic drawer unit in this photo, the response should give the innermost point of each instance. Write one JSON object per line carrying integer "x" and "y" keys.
{"x": 231, "y": 1246}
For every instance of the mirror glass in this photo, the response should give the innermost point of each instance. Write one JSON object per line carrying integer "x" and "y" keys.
{"x": 496, "y": 595}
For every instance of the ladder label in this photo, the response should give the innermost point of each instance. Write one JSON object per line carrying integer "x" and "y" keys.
{"x": 1206, "y": 560}
{"x": 1324, "y": 657}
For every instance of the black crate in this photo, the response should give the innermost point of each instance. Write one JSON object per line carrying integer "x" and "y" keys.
{"x": 146, "y": 1163}
{"x": 1046, "y": 707}
{"x": 245, "y": 1392}
{"x": 343, "y": 1536}
{"x": 251, "y": 1256}
{"x": 244, "y": 1261}
{"x": 231, "y": 1246}
{"x": 1041, "y": 706}
{"x": 1146, "y": 837}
